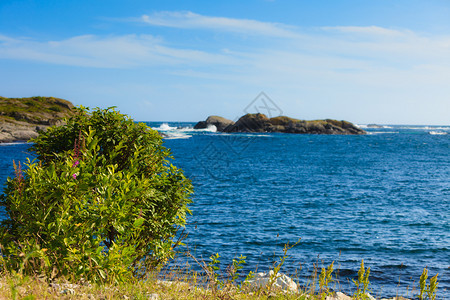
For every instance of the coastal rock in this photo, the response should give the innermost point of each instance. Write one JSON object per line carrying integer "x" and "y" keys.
{"x": 21, "y": 119}
{"x": 220, "y": 123}
{"x": 24, "y": 135}
{"x": 282, "y": 281}
{"x": 251, "y": 123}
{"x": 261, "y": 123}
{"x": 338, "y": 296}
{"x": 6, "y": 137}
{"x": 374, "y": 126}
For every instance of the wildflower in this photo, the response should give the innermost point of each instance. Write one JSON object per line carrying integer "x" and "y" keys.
{"x": 74, "y": 176}
{"x": 75, "y": 163}
{"x": 19, "y": 177}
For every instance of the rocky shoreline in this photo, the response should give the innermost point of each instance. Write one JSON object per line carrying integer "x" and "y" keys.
{"x": 261, "y": 123}
{"x": 21, "y": 119}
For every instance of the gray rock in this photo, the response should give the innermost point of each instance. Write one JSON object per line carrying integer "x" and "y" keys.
{"x": 252, "y": 123}
{"x": 282, "y": 281}
{"x": 24, "y": 135}
{"x": 260, "y": 123}
{"x": 6, "y": 137}
{"x": 220, "y": 123}
{"x": 339, "y": 296}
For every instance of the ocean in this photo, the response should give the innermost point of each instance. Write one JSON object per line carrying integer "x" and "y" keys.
{"x": 383, "y": 197}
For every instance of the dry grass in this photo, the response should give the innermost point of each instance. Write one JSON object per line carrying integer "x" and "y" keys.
{"x": 13, "y": 287}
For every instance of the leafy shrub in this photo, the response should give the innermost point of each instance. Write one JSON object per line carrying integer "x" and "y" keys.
{"x": 103, "y": 202}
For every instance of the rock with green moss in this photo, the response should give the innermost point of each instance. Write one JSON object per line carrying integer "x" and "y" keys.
{"x": 22, "y": 119}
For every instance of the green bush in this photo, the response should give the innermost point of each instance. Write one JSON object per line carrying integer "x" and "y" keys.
{"x": 102, "y": 202}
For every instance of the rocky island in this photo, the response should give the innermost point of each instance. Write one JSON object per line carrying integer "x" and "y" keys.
{"x": 261, "y": 123}
{"x": 22, "y": 119}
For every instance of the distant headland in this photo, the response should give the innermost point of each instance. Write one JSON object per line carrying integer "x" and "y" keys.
{"x": 261, "y": 123}
{"x": 22, "y": 119}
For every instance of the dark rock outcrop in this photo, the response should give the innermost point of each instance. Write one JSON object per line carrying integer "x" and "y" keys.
{"x": 21, "y": 119}
{"x": 220, "y": 123}
{"x": 261, "y": 123}
{"x": 251, "y": 123}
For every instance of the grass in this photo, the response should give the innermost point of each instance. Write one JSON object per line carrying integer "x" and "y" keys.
{"x": 176, "y": 282}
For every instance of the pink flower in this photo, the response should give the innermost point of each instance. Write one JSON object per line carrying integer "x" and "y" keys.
{"x": 76, "y": 163}
{"x": 74, "y": 176}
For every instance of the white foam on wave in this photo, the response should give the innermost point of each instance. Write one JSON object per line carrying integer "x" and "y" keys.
{"x": 366, "y": 126}
{"x": 164, "y": 127}
{"x": 177, "y": 136}
{"x": 437, "y": 133}
{"x": 172, "y": 132}
{"x": 381, "y": 132}
{"x": 426, "y": 127}
{"x": 12, "y": 144}
{"x": 250, "y": 135}
{"x": 210, "y": 128}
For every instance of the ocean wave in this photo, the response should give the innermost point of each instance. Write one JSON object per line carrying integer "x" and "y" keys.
{"x": 437, "y": 132}
{"x": 425, "y": 127}
{"x": 13, "y": 144}
{"x": 164, "y": 127}
{"x": 210, "y": 128}
{"x": 372, "y": 126}
{"x": 176, "y": 136}
{"x": 381, "y": 132}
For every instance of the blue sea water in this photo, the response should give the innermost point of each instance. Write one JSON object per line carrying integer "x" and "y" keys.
{"x": 382, "y": 197}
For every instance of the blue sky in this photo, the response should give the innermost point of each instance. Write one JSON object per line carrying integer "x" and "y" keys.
{"x": 381, "y": 61}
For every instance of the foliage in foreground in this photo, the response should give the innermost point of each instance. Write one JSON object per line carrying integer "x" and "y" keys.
{"x": 103, "y": 203}
{"x": 177, "y": 283}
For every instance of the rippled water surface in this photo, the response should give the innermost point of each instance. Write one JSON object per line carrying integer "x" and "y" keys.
{"x": 382, "y": 197}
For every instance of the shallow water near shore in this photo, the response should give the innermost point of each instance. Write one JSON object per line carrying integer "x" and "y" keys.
{"x": 382, "y": 197}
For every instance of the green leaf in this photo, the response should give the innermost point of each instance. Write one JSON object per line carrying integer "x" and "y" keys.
{"x": 102, "y": 273}
{"x": 138, "y": 222}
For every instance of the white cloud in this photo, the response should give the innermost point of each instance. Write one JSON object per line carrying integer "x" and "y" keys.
{"x": 368, "y": 30}
{"x": 190, "y": 20}
{"x": 347, "y": 64}
{"x": 348, "y": 47}
{"x": 330, "y": 69}
{"x": 106, "y": 52}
